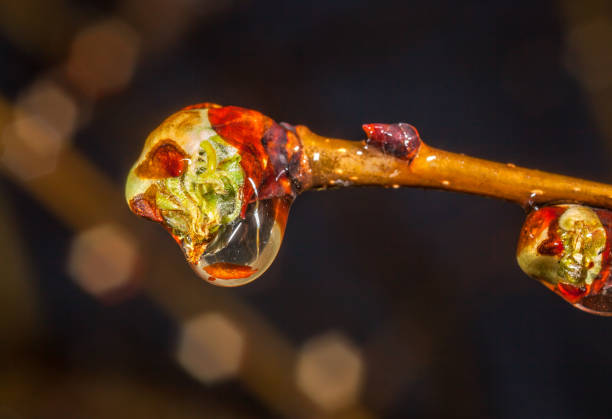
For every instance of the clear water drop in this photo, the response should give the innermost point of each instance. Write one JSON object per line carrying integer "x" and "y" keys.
{"x": 245, "y": 249}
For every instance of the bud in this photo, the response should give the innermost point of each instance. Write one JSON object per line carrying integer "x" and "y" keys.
{"x": 220, "y": 180}
{"x": 567, "y": 248}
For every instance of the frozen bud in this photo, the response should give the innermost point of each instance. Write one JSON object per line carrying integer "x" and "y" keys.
{"x": 567, "y": 248}
{"x": 221, "y": 181}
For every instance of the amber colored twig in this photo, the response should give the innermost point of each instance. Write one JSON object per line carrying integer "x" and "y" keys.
{"x": 338, "y": 162}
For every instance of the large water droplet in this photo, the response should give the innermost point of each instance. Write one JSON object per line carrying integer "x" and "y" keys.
{"x": 244, "y": 249}
{"x": 221, "y": 181}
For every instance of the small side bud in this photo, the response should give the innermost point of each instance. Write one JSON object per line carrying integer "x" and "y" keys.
{"x": 400, "y": 140}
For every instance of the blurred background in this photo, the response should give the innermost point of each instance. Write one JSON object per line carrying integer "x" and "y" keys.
{"x": 381, "y": 303}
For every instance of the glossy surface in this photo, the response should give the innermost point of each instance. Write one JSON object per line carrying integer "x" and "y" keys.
{"x": 394, "y": 156}
{"x": 400, "y": 140}
{"x": 221, "y": 180}
{"x": 245, "y": 248}
{"x": 567, "y": 248}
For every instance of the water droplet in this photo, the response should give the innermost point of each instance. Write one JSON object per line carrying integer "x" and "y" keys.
{"x": 530, "y": 203}
{"x": 244, "y": 249}
{"x": 221, "y": 181}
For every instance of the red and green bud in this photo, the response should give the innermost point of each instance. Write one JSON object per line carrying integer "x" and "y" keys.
{"x": 567, "y": 248}
{"x": 221, "y": 181}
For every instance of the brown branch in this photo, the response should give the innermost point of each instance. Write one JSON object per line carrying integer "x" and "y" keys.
{"x": 338, "y": 162}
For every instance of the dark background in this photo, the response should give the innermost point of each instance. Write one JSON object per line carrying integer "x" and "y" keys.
{"x": 421, "y": 286}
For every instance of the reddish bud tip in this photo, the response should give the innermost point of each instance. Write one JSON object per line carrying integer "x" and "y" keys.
{"x": 400, "y": 140}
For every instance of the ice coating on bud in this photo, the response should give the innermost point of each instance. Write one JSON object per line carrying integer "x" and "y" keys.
{"x": 567, "y": 248}
{"x": 221, "y": 181}
{"x": 400, "y": 140}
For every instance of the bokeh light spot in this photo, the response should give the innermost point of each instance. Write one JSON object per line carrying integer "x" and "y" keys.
{"x": 102, "y": 260}
{"x": 103, "y": 57}
{"x": 39, "y": 128}
{"x": 330, "y": 371}
{"x": 211, "y": 347}
{"x": 588, "y": 55}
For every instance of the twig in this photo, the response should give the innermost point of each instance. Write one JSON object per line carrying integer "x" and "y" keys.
{"x": 230, "y": 219}
{"x": 338, "y": 162}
